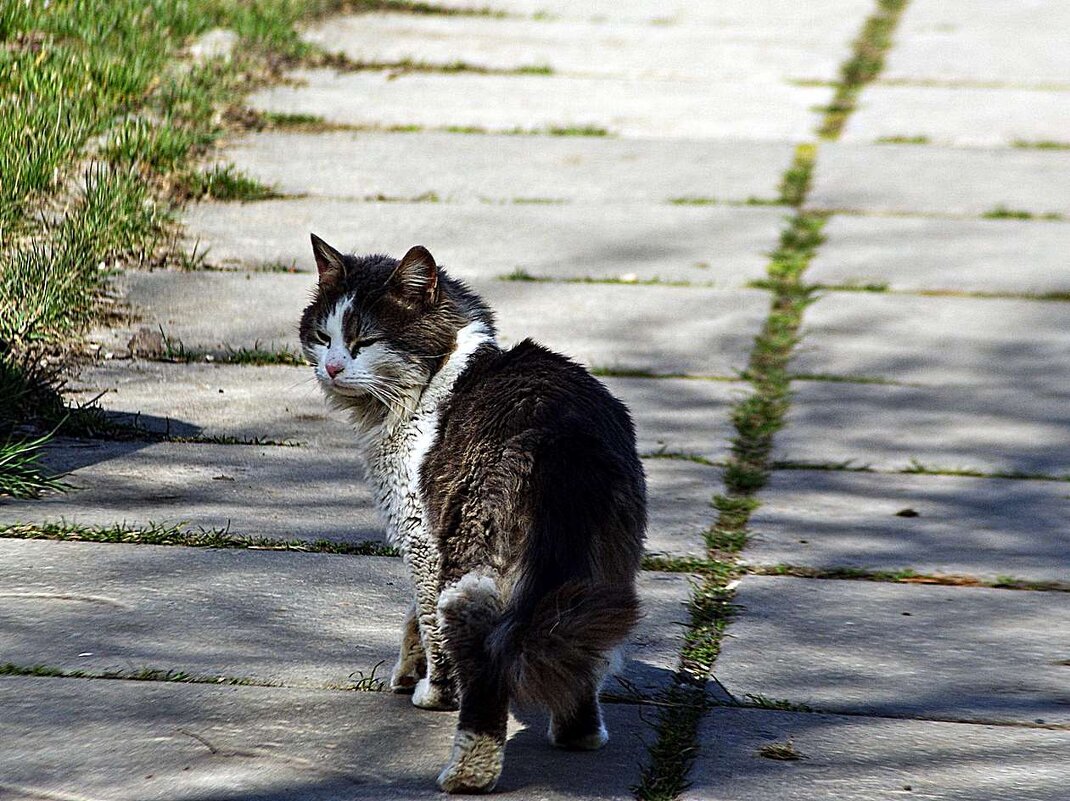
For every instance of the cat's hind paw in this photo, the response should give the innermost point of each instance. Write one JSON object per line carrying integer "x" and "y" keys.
{"x": 475, "y": 765}
{"x": 591, "y": 741}
{"x": 428, "y": 695}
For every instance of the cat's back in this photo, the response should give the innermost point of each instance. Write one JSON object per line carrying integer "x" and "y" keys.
{"x": 531, "y": 391}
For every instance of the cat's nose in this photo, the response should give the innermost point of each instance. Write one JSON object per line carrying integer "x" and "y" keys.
{"x": 333, "y": 368}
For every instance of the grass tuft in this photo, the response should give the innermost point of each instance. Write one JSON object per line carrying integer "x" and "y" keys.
{"x": 21, "y": 473}
{"x": 903, "y": 140}
{"x": 179, "y": 535}
{"x": 226, "y": 182}
{"x": 866, "y": 62}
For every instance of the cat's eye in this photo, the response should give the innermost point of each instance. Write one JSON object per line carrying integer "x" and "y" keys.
{"x": 355, "y": 347}
{"x": 321, "y": 338}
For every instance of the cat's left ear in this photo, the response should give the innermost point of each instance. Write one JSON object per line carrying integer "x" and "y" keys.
{"x": 417, "y": 275}
{"x": 329, "y": 262}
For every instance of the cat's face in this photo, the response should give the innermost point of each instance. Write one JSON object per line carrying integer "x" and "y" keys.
{"x": 377, "y": 328}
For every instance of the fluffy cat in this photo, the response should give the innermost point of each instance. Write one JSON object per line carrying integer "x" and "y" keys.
{"x": 510, "y": 481}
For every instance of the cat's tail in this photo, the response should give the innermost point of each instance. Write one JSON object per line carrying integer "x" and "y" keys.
{"x": 556, "y": 654}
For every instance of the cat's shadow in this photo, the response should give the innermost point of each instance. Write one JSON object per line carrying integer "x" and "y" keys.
{"x": 532, "y": 762}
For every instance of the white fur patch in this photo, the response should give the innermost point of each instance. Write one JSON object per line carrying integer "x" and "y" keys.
{"x": 475, "y": 765}
{"x": 474, "y": 588}
{"x": 398, "y": 452}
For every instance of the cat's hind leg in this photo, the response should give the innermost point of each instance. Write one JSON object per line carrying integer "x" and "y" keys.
{"x": 412, "y": 661}
{"x": 467, "y": 613}
{"x": 582, "y": 729}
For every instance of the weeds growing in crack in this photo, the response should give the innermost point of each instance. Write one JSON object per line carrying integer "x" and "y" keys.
{"x": 180, "y": 535}
{"x": 865, "y": 64}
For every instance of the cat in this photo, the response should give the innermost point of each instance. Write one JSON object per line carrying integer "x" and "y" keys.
{"x": 509, "y": 480}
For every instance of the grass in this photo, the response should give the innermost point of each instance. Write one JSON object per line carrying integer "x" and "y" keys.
{"x": 342, "y": 63}
{"x": 179, "y": 535}
{"x": 1043, "y": 144}
{"x": 174, "y": 350}
{"x": 22, "y": 475}
{"x": 143, "y": 674}
{"x": 865, "y": 64}
{"x": 903, "y": 140}
{"x": 226, "y": 182}
{"x": 694, "y": 201}
{"x": 99, "y": 129}
{"x": 917, "y": 468}
{"x": 756, "y": 419}
{"x": 1004, "y": 213}
{"x": 795, "y": 184}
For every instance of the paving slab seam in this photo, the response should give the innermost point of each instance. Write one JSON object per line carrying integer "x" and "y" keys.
{"x": 906, "y": 576}
{"x": 179, "y": 536}
{"x": 864, "y": 66}
{"x": 789, "y": 707}
{"x": 882, "y": 289}
{"x": 995, "y": 213}
{"x": 916, "y": 468}
{"x": 755, "y": 418}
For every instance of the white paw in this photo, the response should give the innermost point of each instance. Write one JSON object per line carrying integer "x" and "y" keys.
{"x": 475, "y": 765}
{"x": 432, "y": 696}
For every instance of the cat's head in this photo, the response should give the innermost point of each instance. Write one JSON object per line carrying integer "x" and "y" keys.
{"x": 377, "y": 328}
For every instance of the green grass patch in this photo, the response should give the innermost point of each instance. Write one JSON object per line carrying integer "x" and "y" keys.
{"x": 756, "y": 419}
{"x": 226, "y": 182}
{"x": 99, "y": 130}
{"x": 694, "y": 201}
{"x": 1043, "y": 144}
{"x": 256, "y": 356}
{"x": 864, "y": 65}
{"x": 903, "y": 140}
{"x": 179, "y": 535}
{"x": 22, "y": 475}
{"x": 143, "y": 674}
{"x": 796, "y": 181}
{"x": 1004, "y": 213}
{"x": 577, "y": 130}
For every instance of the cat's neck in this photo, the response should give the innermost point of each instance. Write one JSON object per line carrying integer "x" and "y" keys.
{"x": 423, "y": 405}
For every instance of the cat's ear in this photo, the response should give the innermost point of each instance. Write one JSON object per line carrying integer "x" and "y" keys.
{"x": 329, "y": 261}
{"x": 417, "y": 275}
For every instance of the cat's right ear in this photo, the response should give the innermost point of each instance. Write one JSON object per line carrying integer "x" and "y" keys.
{"x": 329, "y": 262}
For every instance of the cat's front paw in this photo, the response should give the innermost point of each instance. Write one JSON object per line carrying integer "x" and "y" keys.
{"x": 475, "y": 765}
{"x": 432, "y": 695}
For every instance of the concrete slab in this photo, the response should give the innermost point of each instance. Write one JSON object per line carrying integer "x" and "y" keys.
{"x": 709, "y": 245}
{"x": 859, "y": 759}
{"x": 1016, "y": 344}
{"x": 607, "y": 49}
{"x": 901, "y": 650}
{"x": 311, "y": 620}
{"x": 645, "y": 109}
{"x": 957, "y": 255}
{"x": 667, "y": 329}
{"x": 150, "y": 741}
{"x": 305, "y": 493}
{"x": 309, "y": 493}
{"x": 961, "y": 116}
{"x": 473, "y": 168}
{"x": 837, "y": 20}
{"x": 939, "y": 180}
{"x": 282, "y": 404}
{"x": 892, "y": 428}
{"x": 975, "y": 40}
{"x": 970, "y": 526}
